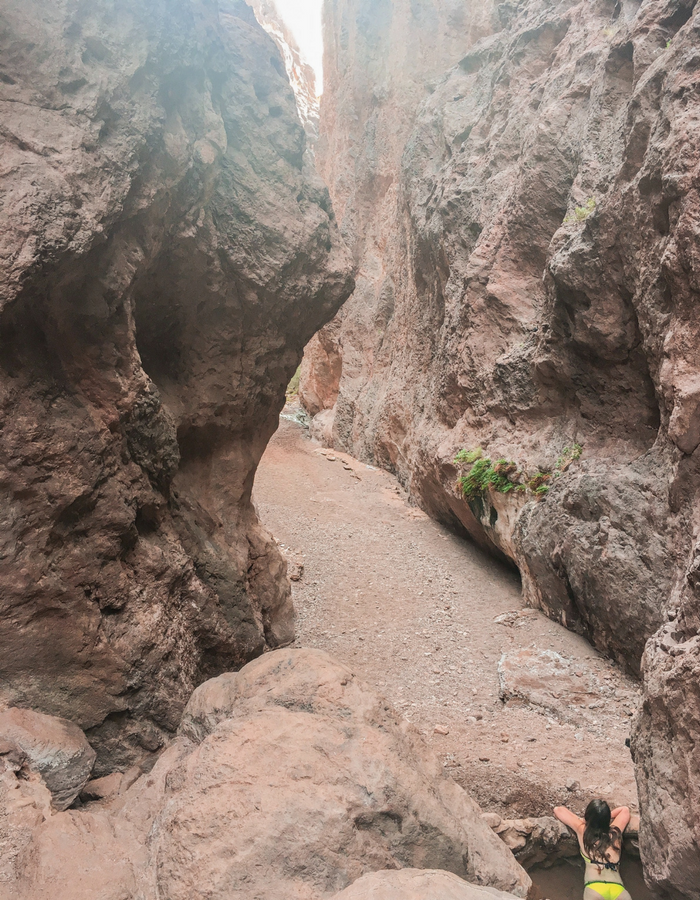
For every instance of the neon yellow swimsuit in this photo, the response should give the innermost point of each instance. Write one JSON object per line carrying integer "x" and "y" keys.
{"x": 612, "y": 887}
{"x": 609, "y": 890}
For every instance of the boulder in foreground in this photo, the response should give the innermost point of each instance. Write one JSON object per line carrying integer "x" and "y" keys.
{"x": 289, "y": 781}
{"x": 417, "y": 884}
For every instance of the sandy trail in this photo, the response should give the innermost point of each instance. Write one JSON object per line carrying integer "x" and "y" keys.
{"x": 415, "y": 612}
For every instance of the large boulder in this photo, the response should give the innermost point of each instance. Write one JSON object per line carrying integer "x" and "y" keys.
{"x": 348, "y": 787}
{"x": 54, "y": 748}
{"x": 417, "y": 884}
{"x": 300, "y": 680}
{"x": 300, "y": 781}
{"x": 568, "y": 690}
{"x": 167, "y": 252}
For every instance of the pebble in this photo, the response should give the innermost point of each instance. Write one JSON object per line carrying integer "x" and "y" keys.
{"x": 441, "y": 729}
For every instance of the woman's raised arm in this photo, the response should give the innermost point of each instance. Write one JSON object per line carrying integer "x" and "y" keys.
{"x": 620, "y": 817}
{"x": 569, "y": 819}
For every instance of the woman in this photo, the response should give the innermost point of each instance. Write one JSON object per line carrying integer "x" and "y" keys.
{"x": 600, "y": 840}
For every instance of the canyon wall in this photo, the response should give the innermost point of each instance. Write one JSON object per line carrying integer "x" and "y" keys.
{"x": 167, "y": 252}
{"x": 518, "y": 185}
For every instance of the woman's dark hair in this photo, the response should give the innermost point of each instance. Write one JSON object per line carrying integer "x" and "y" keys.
{"x": 598, "y": 836}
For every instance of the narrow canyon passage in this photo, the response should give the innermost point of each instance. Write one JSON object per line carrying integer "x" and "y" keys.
{"x": 426, "y": 618}
{"x": 470, "y": 234}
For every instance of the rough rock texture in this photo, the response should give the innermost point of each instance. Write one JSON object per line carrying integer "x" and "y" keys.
{"x": 362, "y": 794}
{"x": 666, "y": 749}
{"x": 416, "y": 884}
{"x": 546, "y": 840}
{"x": 301, "y": 75}
{"x": 167, "y": 251}
{"x": 25, "y": 803}
{"x": 527, "y": 241}
{"x": 527, "y": 280}
{"x": 55, "y": 749}
{"x": 300, "y": 781}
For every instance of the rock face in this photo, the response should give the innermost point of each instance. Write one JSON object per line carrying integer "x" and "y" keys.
{"x": 666, "y": 749}
{"x": 301, "y": 75}
{"x": 522, "y": 202}
{"x": 526, "y": 274}
{"x": 167, "y": 252}
{"x": 299, "y": 781}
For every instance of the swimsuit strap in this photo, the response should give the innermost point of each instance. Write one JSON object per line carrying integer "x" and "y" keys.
{"x": 613, "y": 867}
{"x": 606, "y": 865}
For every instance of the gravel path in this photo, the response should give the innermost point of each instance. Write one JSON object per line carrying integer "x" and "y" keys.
{"x": 426, "y": 618}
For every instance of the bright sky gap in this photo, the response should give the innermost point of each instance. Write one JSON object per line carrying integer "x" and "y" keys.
{"x": 303, "y": 17}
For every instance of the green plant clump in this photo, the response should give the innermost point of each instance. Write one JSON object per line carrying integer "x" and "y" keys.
{"x": 468, "y": 456}
{"x": 568, "y": 455}
{"x": 581, "y": 213}
{"x": 483, "y": 474}
{"x": 504, "y": 475}
{"x": 539, "y": 484}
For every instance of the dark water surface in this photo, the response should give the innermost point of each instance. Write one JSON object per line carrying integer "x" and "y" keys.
{"x": 565, "y": 881}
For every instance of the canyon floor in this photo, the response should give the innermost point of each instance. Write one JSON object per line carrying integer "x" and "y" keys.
{"x": 426, "y": 618}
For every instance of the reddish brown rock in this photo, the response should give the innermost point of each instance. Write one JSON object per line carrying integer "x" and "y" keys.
{"x": 25, "y": 804}
{"x": 167, "y": 252}
{"x": 545, "y": 839}
{"x": 300, "y": 781}
{"x": 666, "y": 749}
{"x": 526, "y": 226}
{"x": 321, "y": 369}
{"x": 567, "y": 690}
{"x": 55, "y": 749}
{"x": 394, "y": 820}
{"x": 301, "y": 75}
{"x": 505, "y": 301}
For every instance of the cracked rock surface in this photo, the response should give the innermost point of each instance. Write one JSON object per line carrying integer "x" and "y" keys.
{"x": 519, "y": 184}
{"x": 167, "y": 252}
